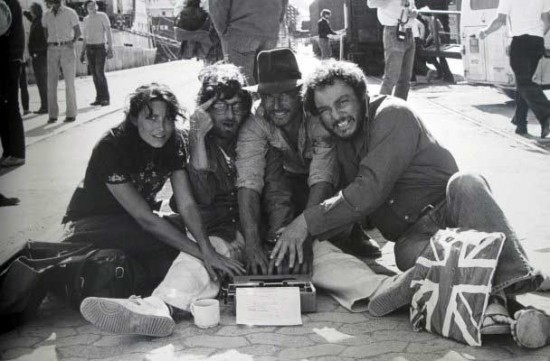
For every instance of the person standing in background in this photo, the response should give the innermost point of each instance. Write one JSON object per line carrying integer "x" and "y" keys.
{"x": 38, "y": 48}
{"x": 62, "y": 31}
{"x": 12, "y": 45}
{"x": 247, "y": 27}
{"x": 397, "y": 18}
{"x": 24, "y": 90}
{"x": 97, "y": 30}
{"x": 324, "y": 30}
{"x": 528, "y": 25}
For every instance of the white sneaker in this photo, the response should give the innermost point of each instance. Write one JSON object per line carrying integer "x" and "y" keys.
{"x": 136, "y": 316}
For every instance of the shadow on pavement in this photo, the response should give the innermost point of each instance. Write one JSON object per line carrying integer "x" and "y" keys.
{"x": 44, "y": 129}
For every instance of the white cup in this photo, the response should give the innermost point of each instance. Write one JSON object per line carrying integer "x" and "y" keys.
{"x": 206, "y": 313}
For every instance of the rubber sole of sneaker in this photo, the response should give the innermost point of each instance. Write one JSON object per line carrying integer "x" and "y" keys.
{"x": 111, "y": 316}
{"x": 392, "y": 296}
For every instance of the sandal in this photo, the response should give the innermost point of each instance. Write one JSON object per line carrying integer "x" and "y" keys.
{"x": 531, "y": 328}
{"x": 497, "y": 320}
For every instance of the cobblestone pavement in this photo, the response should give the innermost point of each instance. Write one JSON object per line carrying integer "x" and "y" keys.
{"x": 62, "y": 334}
{"x": 518, "y": 171}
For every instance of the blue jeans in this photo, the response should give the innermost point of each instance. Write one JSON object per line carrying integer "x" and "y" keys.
{"x": 470, "y": 204}
{"x": 96, "y": 54}
{"x": 399, "y": 58}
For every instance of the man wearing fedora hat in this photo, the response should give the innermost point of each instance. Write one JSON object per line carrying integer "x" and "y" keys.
{"x": 306, "y": 157}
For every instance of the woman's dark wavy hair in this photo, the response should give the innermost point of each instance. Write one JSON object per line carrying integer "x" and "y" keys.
{"x": 37, "y": 9}
{"x": 326, "y": 74}
{"x": 225, "y": 81}
{"x": 145, "y": 94}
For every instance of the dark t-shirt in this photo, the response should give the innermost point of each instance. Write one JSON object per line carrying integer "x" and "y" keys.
{"x": 121, "y": 156}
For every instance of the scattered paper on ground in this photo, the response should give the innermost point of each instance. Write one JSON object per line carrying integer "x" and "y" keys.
{"x": 331, "y": 335}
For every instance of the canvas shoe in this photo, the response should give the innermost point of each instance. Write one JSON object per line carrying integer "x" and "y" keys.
{"x": 135, "y": 316}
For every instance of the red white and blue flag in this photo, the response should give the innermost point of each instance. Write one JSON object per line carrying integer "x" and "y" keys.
{"x": 452, "y": 282}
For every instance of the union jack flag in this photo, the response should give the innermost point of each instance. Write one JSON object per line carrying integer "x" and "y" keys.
{"x": 452, "y": 282}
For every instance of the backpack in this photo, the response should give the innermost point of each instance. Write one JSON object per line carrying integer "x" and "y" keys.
{"x": 98, "y": 273}
{"x": 71, "y": 271}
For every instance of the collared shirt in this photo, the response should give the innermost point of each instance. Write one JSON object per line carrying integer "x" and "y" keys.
{"x": 390, "y": 11}
{"x": 390, "y": 172}
{"x": 524, "y": 19}
{"x": 95, "y": 27}
{"x": 61, "y": 25}
{"x": 216, "y": 193}
{"x": 314, "y": 155}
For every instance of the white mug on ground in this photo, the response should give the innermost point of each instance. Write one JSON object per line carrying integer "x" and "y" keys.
{"x": 206, "y": 312}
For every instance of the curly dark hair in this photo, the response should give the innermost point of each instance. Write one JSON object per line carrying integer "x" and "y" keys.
{"x": 326, "y": 74}
{"x": 224, "y": 80}
{"x": 37, "y": 9}
{"x": 145, "y": 94}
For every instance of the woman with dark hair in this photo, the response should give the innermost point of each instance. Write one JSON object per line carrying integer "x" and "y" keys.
{"x": 115, "y": 205}
{"x": 38, "y": 48}
{"x": 222, "y": 105}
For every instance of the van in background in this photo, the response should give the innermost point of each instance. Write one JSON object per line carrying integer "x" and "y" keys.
{"x": 486, "y": 61}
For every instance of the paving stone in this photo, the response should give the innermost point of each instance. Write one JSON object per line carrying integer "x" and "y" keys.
{"x": 48, "y": 331}
{"x": 436, "y": 345}
{"x": 266, "y": 358}
{"x": 139, "y": 346}
{"x": 353, "y": 341}
{"x": 279, "y": 340}
{"x": 45, "y": 353}
{"x": 15, "y": 340}
{"x": 219, "y": 342}
{"x": 530, "y": 358}
{"x": 383, "y": 335}
{"x": 368, "y": 326}
{"x": 326, "y": 304}
{"x": 301, "y": 330}
{"x": 77, "y": 340}
{"x": 239, "y": 330}
{"x": 258, "y": 350}
{"x": 230, "y": 355}
{"x": 374, "y": 349}
{"x": 115, "y": 340}
{"x": 334, "y": 358}
{"x": 89, "y": 328}
{"x": 15, "y": 352}
{"x": 337, "y": 317}
{"x": 310, "y": 351}
{"x": 194, "y": 352}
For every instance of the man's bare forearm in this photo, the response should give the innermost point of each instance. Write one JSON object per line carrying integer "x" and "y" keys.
{"x": 249, "y": 210}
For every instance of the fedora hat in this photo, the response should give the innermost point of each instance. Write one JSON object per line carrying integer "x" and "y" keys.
{"x": 5, "y": 18}
{"x": 278, "y": 72}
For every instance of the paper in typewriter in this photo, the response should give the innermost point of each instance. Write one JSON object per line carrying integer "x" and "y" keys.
{"x": 268, "y": 306}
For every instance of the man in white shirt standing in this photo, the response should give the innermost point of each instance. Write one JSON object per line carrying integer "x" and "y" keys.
{"x": 527, "y": 24}
{"x": 397, "y": 17}
{"x": 97, "y": 31}
{"x": 62, "y": 31}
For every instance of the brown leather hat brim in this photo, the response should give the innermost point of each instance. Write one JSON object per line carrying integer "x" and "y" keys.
{"x": 275, "y": 87}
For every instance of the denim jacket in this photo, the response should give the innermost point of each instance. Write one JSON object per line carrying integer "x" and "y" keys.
{"x": 391, "y": 171}
{"x": 315, "y": 155}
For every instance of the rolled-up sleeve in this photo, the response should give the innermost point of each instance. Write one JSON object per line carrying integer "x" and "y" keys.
{"x": 394, "y": 140}
{"x": 323, "y": 166}
{"x": 251, "y": 154}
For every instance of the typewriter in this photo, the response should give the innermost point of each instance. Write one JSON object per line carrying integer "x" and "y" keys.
{"x": 303, "y": 282}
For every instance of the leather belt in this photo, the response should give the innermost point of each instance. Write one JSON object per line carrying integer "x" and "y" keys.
{"x": 60, "y": 43}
